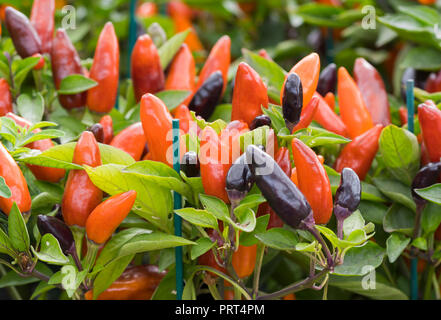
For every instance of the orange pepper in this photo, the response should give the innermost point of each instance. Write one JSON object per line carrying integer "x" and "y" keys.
{"x": 290, "y": 296}
{"x": 185, "y": 119}
{"x": 42, "y": 18}
{"x": 146, "y": 10}
{"x": 328, "y": 119}
{"x": 131, "y": 140}
{"x": 107, "y": 123}
{"x": 430, "y": 122}
{"x": 307, "y": 114}
{"x": 330, "y": 100}
{"x": 6, "y": 98}
{"x": 244, "y": 260}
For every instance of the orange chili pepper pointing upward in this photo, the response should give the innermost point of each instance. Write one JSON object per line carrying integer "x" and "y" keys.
{"x": 430, "y": 122}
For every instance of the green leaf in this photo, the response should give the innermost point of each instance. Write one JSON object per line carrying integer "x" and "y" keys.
{"x": 202, "y": 218}
{"x": 5, "y": 192}
{"x": 42, "y": 287}
{"x": 6, "y": 245}
{"x": 168, "y": 50}
{"x": 202, "y": 245}
{"x": 216, "y": 207}
{"x": 373, "y": 211}
{"x": 221, "y": 111}
{"x": 361, "y": 260}
{"x": 401, "y": 153}
{"x": 420, "y": 243}
{"x": 422, "y": 58}
{"x": 246, "y": 219}
{"x": 22, "y": 68}
{"x": 75, "y": 83}
{"x": 248, "y": 238}
{"x": 328, "y": 16}
{"x": 400, "y": 219}
{"x": 395, "y": 245}
{"x": 423, "y": 14}
{"x": 278, "y": 238}
{"x": 396, "y": 191}
{"x": 50, "y": 251}
{"x": 432, "y": 193}
{"x": 431, "y": 217}
{"x": 320, "y": 137}
{"x": 18, "y": 233}
{"x": 30, "y": 108}
{"x": 172, "y": 98}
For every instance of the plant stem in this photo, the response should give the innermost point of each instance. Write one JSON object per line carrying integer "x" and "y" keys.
{"x": 313, "y": 230}
{"x": 388, "y": 273}
{"x": 13, "y": 292}
{"x": 325, "y": 291}
{"x": 214, "y": 292}
{"x": 78, "y": 235}
{"x": 428, "y": 287}
{"x": 436, "y": 286}
{"x": 257, "y": 268}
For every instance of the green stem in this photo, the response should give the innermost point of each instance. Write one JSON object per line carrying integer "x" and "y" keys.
{"x": 436, "y": 287}
{"x": 388, "y": 273}
{"x": 78, "y": 235}
{"x": 214, "y": 292}
{"x": 257, "y": 268}
{"x": 325, "y": 291}
{"x": 13, "y": 292}
{"x": 428, "y": 287}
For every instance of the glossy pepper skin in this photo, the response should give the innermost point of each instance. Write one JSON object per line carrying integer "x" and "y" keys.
{"x": 157, "y": 123}
{"x": 16, "y": 182}
{"x": 330, "y": 100}
{"x": 98, "y": 132}
{"x": 429, "y": 117}
{"x": 42, "y": 18}
{"x": 239, "y": 180}
{"x": 246, "y": 106}
{"x": 218, "y": 59}
{"x": 308, "y": 69}
{"x": 185, "y": 119}
{"x": 328, "y": 119}
{"x": 81, "y": 196}
{"x": 207, "y": 96}
{"x": 107, "y": 123}
{"x": 373, "y": 91}
{"x": 313, "y": 181}
{"x": 5, "y": 98}
{"x": 426, "y": 176}
{"x": 190, "y": 164}
{"x": 244, "y": 260}
{"x": 56, "y": 227}
{"x": 105, "y": 71}
{"x": 360, "y": 152}
{"x": 146, "y": 70}
{"x": 65, "y": 62}
{"x": 281, "y": 193}
{"x": 327, "y": 79}
{"x": 260, "y": 121}
{"x": 353, "y": 111}
{"x": 108, "y": 215}
{"x": 131, "y": 140}
{"x": 25, "y": 38}
{"x": 292, "y": 101}
{"x": 146, "y": 9}
{"x": 307, "y": 114}
{"x": 135, "y": 283}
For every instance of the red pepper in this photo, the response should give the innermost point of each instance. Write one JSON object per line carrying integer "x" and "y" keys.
{"x": 105, "y": 71}
{"x": 185, "y": 119}
{"x": 16, "y": 182}
{"x": 81, "y": 196}
{"x": 330, "y": 100}
{"x": 328, "y": 119}
{"x": 244, "y": 260}
{"x": 146, "y": 10}
{"x": 42, "y": 18}
{"x": 264, "y": 54}
{"x": 308, "y": 69}
{"x": 352, "y": 108}
{"x": 247, "y": 106}
{"x": 360, "y": 152}
{"x": 40, "y": 63}
{"x": 403, "y": 115}
{"x": 107, "y": 123}
{"x": 430, "y": 122}
{"x": 229, "y": 138}
{"x": 178, "y": 8}
{"x": 147, "y": 74}
{"x": 307, "y": 114}
{"x": 313, "y": 181}
{"x": 5, "y": 98}
{"x": 373, "y": 91}
{"x": 218, "y": 59}
{"x": 65, "y": 62}
{"x": 131, "y": 140}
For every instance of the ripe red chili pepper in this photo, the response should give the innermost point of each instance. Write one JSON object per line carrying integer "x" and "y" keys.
{"x": 181, "y": 24}
{"x": 40, "y": 63}
{"x": 107, "y": 124}
{"x": 105, "y": 71}
{"x": 313, "y": 181}
{"x": 229, "y": 138}
{"x": 328, "y": 119}
{"x": 431, "y": 83}
{"x": 294, "y": 171}
{"x": 330, "y": 100}
{"x": 5, "y": 98}
{"x": 352, "y": 108}
{"x": 360, "y": 152}
{"x": 135, "y": 283}
{"x": 308, "y": 69}
{"x": 425, "y": 157}
{"x": 430, "y": 123}
{"x": 42, "y": 18}
{"x": 218, "y": 59}
{"x": 25, "y": 38}
{"x": 108, "y": 215}
{"x": 147, "y": 73}
{"x": 373, "y": 91}
{"x": 264, "y": 54}
{"x": 65, "y": 62}
{"x": 185, "y": 119}
{"x": 403, "y": 115}
{"x": 16, "y": 182}
{"x": 81, "y": 196}
{"x": 290, "y": 296}
{"x": 131, "y": 140}
{"x": 307, "y": 114}
{"x": 244, "y": 260}
{"x": 157, "y": 123}
{"x": 248, "y": 106}
{"x": 146, "y": 10}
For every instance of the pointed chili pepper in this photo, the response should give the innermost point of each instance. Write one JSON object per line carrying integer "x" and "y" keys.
{"x": 239, "y": 180}
{"x": 25, "y": 38}
{"x": 146, "y": 10}
{"x": 81, "y": 196}
{"x": 131, "y": 140}
{"x": 292, "y": 101}
{"x": 42, "y": 18}
{"x": 308, "y": 70}
{"x": 294, "y": 171}
{"x": 105, "y": 71}
{"x": 179, "y": 8}
{"x": 431, "y": 85}
{"x": 360, "y": 152}
{"x": 190, "y": 164}
{"x": 56, "y": 227}
{"x": 147, "y": 73}
{"x": 185, "y": 119}
{"x": 229, "y": 138}
{"x": 330, "y": 100}
{"x": 313, "y": 181}
{"x": 5, "y": 98}
{"x": 327, "y": 80}
{"x": 157, "y": 123}
{"x": 352, "y": 108}
{"x": 429, "y": 117}
{"x": 373, "y": 91}
{"x": 264, "y": 54}
{"x": 307, "y": 114}
{"x": 244, "y": 260}
{"x": 328, "y": 119}
{"x": 40, "y": 63}
{"x": 16, "y": 182}
{"x": 65, "y": 62}
{"x": 218, "y": 59}
{"x": 98, "y": 132}
{"x": 207, "y": 96}
{"x": 107, "y": 123}
{"x": 108, "y": 215}
{"x": 260, "y": 121}
{"x": 181, "y": 24}
{"x": 426, "y": 176}
{"x": 248, "y": 106}
{"x": 402, "y": 111}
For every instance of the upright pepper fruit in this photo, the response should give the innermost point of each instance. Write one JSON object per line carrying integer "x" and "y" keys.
{"x": 5, "y": 98}
{"x": 292, "y": 101}
{"x": 105, "y": 71}
{"x": 147, "y": 73}
{"x": 190, "y": 164}
{"x": 229, "y": 138}
{"x": 330, "y": 100}
{"x": 373, "y": 91}
{"x": 248, "y": 106}
{"x": 131, "y": 140}
{"x": 313, "y": 181}
{"x": 352, "y": 108}
{"x": 238, "y": 181}
{"x": 207, "y": 96}
{"x": 65, "y": 62}
{"x": 328, "y": 119}
{"x": 307, "y": 114}
{"x": 81, "y": 196}
{"x": 16, "y": 182}
{"x": 327, "y": 80}
{"x": 244, "y": 260}
{"x": 108, "y": 215}
{"x": 25, "y": 38}
{"x": 42, "y": 18}
{"x": 185, "y": 119}
{"x": 107, "y": 123}
{"x": 429, "y": 117}
{"x": 98, "y": 132}
{"x": 146, "y": 10}
{"x": 360, "y": 152}
{"x": 56, "y": 227}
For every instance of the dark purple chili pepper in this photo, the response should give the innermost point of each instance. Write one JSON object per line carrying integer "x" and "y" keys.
{"x": 327, "y": 80}
{"x": 260, "y": 121}
{"x": 98, "y": 132}
{"x": 207, "y": 96}
{"x": 428, "y": 175}
{"x": 56, "y": 227}
{"x": 190, "y": 164}
{"x": 292, "y": 101}
{"x": 239, "y": 180}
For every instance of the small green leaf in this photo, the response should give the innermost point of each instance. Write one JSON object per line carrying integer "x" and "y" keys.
{"x": 201, "y": 218}
{"x": 172, "y": 98}
{"x": 395, "y": 245}
{"x": 420, "y": 243}
{"x": 5, "y": 192}
{"x": 30, "y": 108}
{"x": 432, "y": 193}
{"x": 400, "y": 219}
{"x": 396, "y": 191}
{"x": 216, "y": 207}
{"x": 75, "y": 83}
{"x": 248, "y": 238}
{"x": 431, "y": 217}
{"x": 278, "y": 238}
{"x": 18, "y": 233}
{"x": 50, "y": 251}
{"x": 168, "y": 50}
{"x": 202, "y": 245}
{"x": 360, "y": 260}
